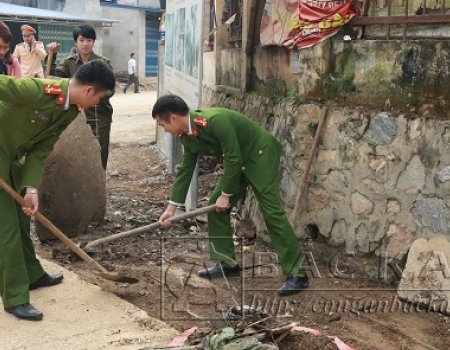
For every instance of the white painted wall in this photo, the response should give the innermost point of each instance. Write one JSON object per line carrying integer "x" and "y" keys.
{"x": 124, "y": 37}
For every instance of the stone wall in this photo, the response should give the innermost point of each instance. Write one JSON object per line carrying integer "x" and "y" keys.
{"x": 379, "y": 180}
{"x": 381, "y": 175}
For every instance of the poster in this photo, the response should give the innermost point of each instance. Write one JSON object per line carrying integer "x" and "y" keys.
{"x": 303, "y": 23}
{"x": 183, "y": 45}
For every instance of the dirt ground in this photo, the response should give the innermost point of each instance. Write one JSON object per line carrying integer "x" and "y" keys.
{"x": 362, "y": 312}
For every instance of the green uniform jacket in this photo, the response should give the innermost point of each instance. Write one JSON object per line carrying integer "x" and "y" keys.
{"x": 67, "y": 69}
{"x": 31, "y": 121}
{"x": 246, "y": 149}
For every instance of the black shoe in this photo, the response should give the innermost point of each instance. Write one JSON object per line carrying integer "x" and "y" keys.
{"x": 293, "y": 285}
{"x": 220, "y": 270}
{"x": 47, "y": 280}
{"x": 25, "y": 312}
{"x": 137, "y": 92}
{"x": 124, "y": 91}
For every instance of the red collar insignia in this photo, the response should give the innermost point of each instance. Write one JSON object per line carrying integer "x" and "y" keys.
{"x": 60, "y": 99}
{"x": 201, "y": 121}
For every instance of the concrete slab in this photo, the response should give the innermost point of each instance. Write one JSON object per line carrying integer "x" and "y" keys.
{"x": 426, "y": 277}
{"x": 80, "y": 316}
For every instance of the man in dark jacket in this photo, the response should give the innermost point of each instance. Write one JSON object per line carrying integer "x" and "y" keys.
{"x": 99, "y": 117}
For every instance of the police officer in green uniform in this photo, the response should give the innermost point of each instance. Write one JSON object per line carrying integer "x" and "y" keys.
{"x": 99, "y": 117}
{"x": 251, "y": 156}
{"x": 33, "y": 114}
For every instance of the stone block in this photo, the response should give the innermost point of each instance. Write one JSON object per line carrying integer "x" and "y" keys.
{"x": 338, "y": 233}
{"x": 400, "y": 239}
{"x": 426, "y": 277}
{"x": 360, "y": 204}
{"x": 382, "y": 129}
{"x": 413, "y": 177}
{"x": 432, "y": 212}
{"x": 318, "y": 198}
{"x": 73, "y": 190}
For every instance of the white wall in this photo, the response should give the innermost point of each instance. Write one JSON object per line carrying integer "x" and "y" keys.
{"x": 124, "y": 38}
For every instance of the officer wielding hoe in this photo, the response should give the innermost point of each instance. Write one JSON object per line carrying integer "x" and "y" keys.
{"x": 30, "y": 53}
{"x": 33, "y": 114}
{"x": 98, "y": 117}
{"x": 251, "y": 156}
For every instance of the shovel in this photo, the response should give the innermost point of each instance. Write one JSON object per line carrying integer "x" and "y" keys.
{"x": 101, "y": 271}
{"x": 147, "y": 228}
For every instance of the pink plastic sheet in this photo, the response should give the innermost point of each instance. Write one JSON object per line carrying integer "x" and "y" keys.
{"x": 181, "y": 338}
{"x": 340, "y": 344}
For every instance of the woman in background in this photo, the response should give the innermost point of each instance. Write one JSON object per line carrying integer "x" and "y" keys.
{"x": 12, "y": 66}
{"x": 8, "y": 64}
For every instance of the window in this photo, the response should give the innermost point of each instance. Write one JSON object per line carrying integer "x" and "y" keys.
{"x": 232, "y": 7}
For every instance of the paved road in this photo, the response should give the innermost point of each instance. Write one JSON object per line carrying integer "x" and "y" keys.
{"x": 81, "y": 316}
{"x": 132, "y": 118}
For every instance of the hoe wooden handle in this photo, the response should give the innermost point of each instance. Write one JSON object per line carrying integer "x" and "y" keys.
{"x": 147, "y": 228}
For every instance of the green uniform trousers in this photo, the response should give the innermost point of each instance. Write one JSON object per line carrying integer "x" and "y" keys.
{"x": 101, "y": 129}
{"x": 280, "y": 230}
{"x": 19, "y": 266}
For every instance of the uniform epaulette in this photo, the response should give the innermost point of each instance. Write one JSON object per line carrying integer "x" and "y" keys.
{"x": 56, "y": 90}
{"x": 201, "y": 121}
{"x": 52, "y": 89}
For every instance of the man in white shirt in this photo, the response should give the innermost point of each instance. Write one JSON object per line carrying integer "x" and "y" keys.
{"x": 132, "y": 76}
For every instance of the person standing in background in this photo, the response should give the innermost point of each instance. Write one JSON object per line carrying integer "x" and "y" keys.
{"x": 30, "y": 53}
{"x": 8, "y": 65}
{"x": 99, "y": 117}
{"x": 132, "y": 75}
{"x": 12, "y": 66}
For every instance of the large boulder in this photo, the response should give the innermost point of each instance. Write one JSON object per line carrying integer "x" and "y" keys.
{"x": 73, "y": 191}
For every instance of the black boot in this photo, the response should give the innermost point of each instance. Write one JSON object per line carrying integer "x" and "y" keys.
{"x": 47, "y": 280}
{"x": 293, "y": 285}
{"x": 220, "y": 270}
{"x": 25, "y": 312}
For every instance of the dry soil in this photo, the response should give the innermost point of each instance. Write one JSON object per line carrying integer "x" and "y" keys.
{"x": 362, "y": 312}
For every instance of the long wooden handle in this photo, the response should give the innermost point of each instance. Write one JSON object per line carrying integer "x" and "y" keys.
{"x": 308, "y": 164}
{"x": 53, "y": 229}
{"x": 147, "y": 228}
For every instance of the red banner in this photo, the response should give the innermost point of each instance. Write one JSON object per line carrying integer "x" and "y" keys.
{"x": 304, "y": 23}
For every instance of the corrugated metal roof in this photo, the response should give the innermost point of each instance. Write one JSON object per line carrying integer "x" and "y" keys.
{"x": 26, "y": 14}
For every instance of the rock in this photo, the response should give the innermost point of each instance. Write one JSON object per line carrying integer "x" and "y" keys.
{"x": 432, "y": 212}
{"x": 426, "y": 277}
{"x": 382, "y": 129}
{"x": 400, "y": 239}
{"x": 73, "y": 191}
{"x": 360, "y": 204}
{"x": 413, "y": 177}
